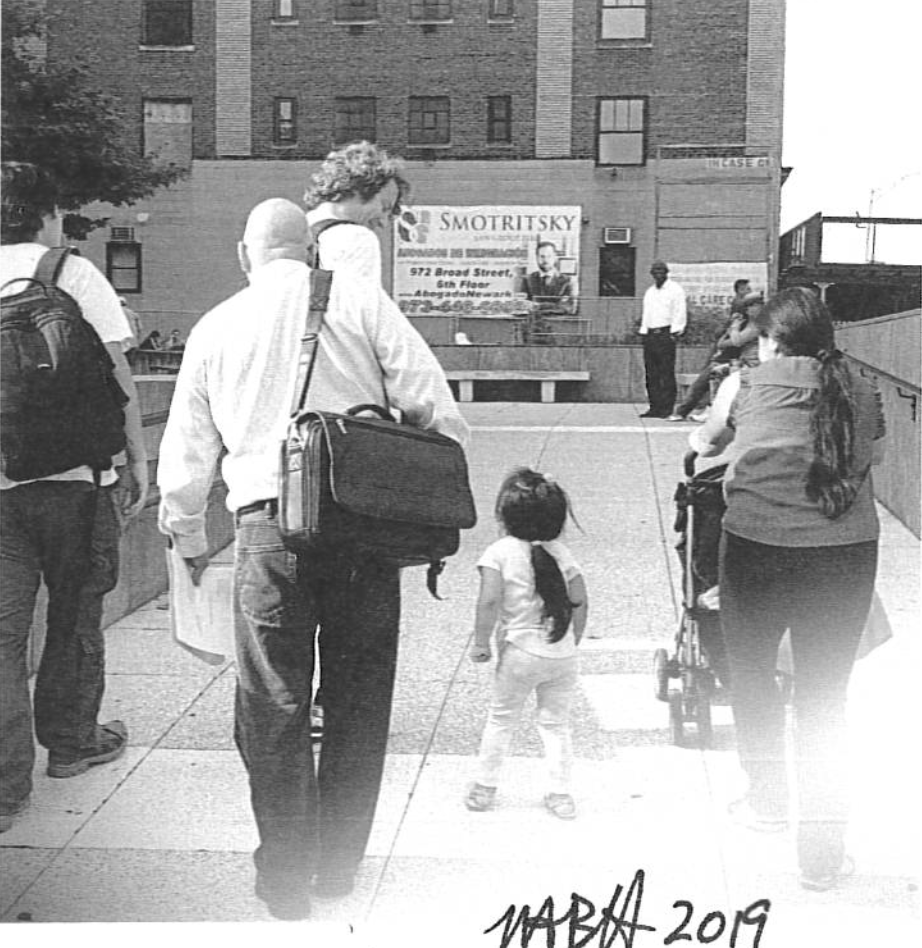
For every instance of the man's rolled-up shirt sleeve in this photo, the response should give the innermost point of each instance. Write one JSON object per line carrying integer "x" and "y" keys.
{"x": 413, "y": 379}
{"x": 189, "y": 452}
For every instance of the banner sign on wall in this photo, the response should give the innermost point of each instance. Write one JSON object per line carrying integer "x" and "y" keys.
{"x": 709, "y": 286}
{"x": 486, "y": 259}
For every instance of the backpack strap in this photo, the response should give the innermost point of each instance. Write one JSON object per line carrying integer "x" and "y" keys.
{"x": 50, "y": 265}
{"x": 318, "y": 228}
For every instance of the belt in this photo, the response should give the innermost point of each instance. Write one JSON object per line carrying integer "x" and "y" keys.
{"x": 659, "y": 330}
{"x": 269, "y": 507}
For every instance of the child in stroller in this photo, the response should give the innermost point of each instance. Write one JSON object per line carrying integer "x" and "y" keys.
{"x": 699, "y": 660}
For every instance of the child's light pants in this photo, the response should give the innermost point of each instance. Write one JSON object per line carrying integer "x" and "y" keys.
{"x": 553, "y": 680}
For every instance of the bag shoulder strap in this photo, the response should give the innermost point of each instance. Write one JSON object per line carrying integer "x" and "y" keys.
{"x": 319, "y": 299}
{"x": 50, "y": 264}
{"x": 318, "y": 228}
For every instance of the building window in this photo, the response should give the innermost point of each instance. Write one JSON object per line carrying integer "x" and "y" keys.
{"x": 430, "y": 9}
{"x": 350, "y": 11}
{"x": 499, "y": 119}
{"x": 500, "y": 9}
{"x": 622, "y": 132}
{"x": 168, "y": 131}
{"x": 616, "y": 271}
{"x": 167, "y": 23}
{"x": 354, "y": 120}
{"x": 285, "y": 131}
{"x": 284, "y": 10}
{"x": 123, "y": 265}
{"x": 623, "y": 19}
{"x": 429, "y": 120}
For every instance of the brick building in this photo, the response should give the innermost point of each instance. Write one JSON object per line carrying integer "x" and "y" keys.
{"x": 656, "y": 122}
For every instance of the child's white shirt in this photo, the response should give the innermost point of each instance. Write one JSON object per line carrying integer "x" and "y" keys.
{"x": 520, "y": 619}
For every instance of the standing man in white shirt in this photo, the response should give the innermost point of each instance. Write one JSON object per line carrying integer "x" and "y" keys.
{"x": 355, "y": 195}
{"x": 661, "y": 325}
{"x": 233, "y": 393}
{"x": 61, "y": 529}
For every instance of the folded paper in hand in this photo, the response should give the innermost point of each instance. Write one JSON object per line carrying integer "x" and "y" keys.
{"x": 202, "y": 617}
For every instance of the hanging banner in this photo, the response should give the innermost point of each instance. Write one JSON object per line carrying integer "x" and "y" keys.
{"x": 709, "y": 286}
{"x": 487, "y": 259}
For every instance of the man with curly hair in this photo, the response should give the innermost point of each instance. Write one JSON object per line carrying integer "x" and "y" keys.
{"x": 359, "y": 186}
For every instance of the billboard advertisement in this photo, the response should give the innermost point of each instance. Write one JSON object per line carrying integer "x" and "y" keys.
{"x": 487, "y": 259}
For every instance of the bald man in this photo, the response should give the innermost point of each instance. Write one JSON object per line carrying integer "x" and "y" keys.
{"x": 233, "y": 394}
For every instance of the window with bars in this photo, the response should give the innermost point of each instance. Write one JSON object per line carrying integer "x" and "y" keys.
{"x": 499, "y": 119}
{"x": 356, "y": 10}
{"x": 429, "y": 120}
{"x": 354, "y": 119}
{"x": 166, "y": 23}
{"x": 284, "y": 10}
{"x": 621, "y": 131}
{"x": 430, "y": 9}
{"x": 623, "y": 19}
{"x": 500, "y": 9}
{"x": 123, "y": 265}
{"x": 285, "y": 130}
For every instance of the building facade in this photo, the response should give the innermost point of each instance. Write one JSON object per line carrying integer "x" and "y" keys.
{"x": 654, "y": 124}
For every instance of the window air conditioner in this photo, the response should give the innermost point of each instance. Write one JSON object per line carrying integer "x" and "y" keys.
{"x": 616, "y": 235}
{"x": 121, "y": 234}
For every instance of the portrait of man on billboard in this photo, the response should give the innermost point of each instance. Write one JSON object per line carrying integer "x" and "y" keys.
{"x": 548, "y": 286}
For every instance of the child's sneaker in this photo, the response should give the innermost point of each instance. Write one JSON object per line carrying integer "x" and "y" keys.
{"x": 561, "y": 805}
{"x": 479, "y": 797}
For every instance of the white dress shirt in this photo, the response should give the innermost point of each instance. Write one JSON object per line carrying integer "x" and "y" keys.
{"x": 664, "y": 306}
{"x": 238, "y": 372}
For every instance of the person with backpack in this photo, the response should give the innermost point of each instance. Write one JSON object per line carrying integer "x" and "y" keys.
{"x": 359, "y": 186}
{"x": 233, "y": 393}
{"x": 356, "y": 192}
{"x": 67, "y": 406}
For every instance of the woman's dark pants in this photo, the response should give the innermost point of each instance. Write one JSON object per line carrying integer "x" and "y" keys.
{"x": 823, "y": 595}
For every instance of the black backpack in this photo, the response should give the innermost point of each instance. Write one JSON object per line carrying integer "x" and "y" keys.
{"x": 60, "y": 404}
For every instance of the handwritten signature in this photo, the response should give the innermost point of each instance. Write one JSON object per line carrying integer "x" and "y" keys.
{"x": 580, "y": 925}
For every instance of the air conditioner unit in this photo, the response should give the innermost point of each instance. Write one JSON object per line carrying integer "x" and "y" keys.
{"x": 616, "y": 235}
{"x": 121, "y": 234}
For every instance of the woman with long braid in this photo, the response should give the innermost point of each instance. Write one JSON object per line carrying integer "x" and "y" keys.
{"x": 798, "y": 552}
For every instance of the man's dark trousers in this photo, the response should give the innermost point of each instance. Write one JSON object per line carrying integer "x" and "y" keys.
{"x": 66, "y": 533}
{"x": 311, "y": 822}
{"x": 659, "y": 366}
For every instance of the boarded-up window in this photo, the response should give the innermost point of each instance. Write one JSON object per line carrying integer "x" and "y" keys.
{"x": 354, "y": 120}
{"x": 168, "y": 131}
{"x": 429, "y": 120}
{"x": 623, "y": 19}
{"x": 166, "y": 23}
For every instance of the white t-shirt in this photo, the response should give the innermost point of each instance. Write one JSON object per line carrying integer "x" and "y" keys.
{"x": 349, "y": 246}
{"x": 98, "y": 302}
{"x": 520, "y": 618}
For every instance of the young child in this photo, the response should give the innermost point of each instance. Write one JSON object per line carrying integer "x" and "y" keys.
{"x": 533, "y": 595}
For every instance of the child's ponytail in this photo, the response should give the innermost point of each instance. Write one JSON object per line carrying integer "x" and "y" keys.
{"x": 832, "y": 425}
{"x": 552, "y": 588}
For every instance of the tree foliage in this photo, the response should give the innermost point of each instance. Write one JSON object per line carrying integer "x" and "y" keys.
{"x": 54, "y": 118}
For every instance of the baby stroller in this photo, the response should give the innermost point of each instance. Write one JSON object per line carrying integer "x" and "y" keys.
{"x": 699, "y": 661}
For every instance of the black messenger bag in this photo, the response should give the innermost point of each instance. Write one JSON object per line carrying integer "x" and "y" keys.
{"x": 368, "y": 487}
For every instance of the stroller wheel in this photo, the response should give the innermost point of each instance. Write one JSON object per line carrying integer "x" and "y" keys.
{"x": 661, "y": 674}
{"x": 677, "y": 718}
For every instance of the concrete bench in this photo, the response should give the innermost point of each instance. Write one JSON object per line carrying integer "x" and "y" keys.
{"x": 548, "y": 379}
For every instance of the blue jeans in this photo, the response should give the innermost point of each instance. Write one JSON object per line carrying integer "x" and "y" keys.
{"x": 311, "y": 821}
{"x": 67, "y": 534}
{"x": 822, "y": 594}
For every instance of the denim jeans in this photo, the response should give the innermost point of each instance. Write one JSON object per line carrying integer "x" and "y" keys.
{"x": 553, "y": 681}
{"x": 65, "y": 533}
{"x": 823, "y": 595}
{"x": 311, "y": 821}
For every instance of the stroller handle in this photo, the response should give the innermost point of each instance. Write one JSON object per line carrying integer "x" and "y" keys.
{"x": 689, "y": 463}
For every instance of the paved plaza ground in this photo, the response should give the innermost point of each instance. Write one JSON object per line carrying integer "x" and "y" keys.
{"x": 165, "y": 833}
